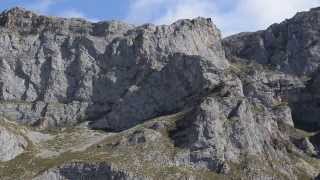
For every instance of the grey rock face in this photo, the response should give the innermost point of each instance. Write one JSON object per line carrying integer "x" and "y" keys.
{"x": 98, "y": 71}
{"x": 308, "y": 147}
{"x": 293, "y": 48}
{"x": 226, "y": 127}
{"x": 244, "y": 110}
{"x": 183, "y": 79}
{"x": 77, "y": 171}
{"x": 11, "y": 144}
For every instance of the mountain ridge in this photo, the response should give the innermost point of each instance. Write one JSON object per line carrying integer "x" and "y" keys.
{"x": 107, "y": 100}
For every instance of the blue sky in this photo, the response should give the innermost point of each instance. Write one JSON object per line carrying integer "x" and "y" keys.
{"x": 231, "y": 16}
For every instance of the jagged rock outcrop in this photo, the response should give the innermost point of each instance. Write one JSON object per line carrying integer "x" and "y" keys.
{"x": 69, "y": 70}
{"x": 87, "y": 171}
{"x": 293, "y": 48}
{"x": 12, "y": 143}
{"x": 315, "y": 140}
{"x": 230, "y": 128}
{"x": 174, "y": 100}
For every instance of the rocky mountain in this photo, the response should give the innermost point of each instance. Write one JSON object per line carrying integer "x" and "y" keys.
{"x": 108, "y": 100}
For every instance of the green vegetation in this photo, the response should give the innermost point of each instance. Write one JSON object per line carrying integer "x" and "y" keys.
{"x": 139, "y": 158}
{"x": 257, "y": 108}
{"x": 147, "y": 159}
{"x": 294, "y": 132}
{"x": 279, "y": 105}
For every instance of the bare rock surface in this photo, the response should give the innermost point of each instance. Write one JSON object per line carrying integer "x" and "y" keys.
{"x": 86, "y": 171}
{"x": 61, "y": 71}
{"x": 12, "y": 143}
{"x": 292, "y": 48}
{"x": 109, "y": 100}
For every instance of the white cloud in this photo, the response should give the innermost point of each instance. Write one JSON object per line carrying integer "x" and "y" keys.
{"x": 144, "y": 10}
{"x": 244, "y": 15}
{"x": 186, "y": 9}
{"x": 259, "y": 14}
{"x": 73, "y": 13}
{"x": 42, "y": 6}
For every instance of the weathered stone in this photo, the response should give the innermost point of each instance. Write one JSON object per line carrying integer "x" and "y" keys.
{"x": 233, "y": 117}
{"x": 103, "y": 71}
{"x": 75, "y": 171}
{"x": 12, "y": 144}
{"x": 293, "y": 48}
{"x": 315, "y": 140}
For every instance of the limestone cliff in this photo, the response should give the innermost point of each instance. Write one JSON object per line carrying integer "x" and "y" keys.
{"x": 109, "y": 100}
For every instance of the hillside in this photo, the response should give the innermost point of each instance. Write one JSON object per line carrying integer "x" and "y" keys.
{"x": 110, "y": 100}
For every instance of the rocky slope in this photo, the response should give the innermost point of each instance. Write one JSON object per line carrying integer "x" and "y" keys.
{"x": 12, "y": 143}
{"x": 293, "y": 49}
{"x": 110, "y": 100}
{"x": 66, "y": 71}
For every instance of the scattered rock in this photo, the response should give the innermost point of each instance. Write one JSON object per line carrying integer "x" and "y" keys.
{"x": 75, "y": 171}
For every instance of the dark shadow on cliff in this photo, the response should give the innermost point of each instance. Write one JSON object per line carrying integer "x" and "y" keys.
{"x": 305, "y": 105}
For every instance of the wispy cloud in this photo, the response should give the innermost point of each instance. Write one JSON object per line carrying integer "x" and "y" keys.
{"x": 73, "y": 13}
{"x": 41, "y": 6}
{"x": 259, "y": 14}
{"x": 45, "y": 7}
{"x": 141, "y": 11}
{"x": 186, "y": 9}
{"x": 241, "y": 15}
